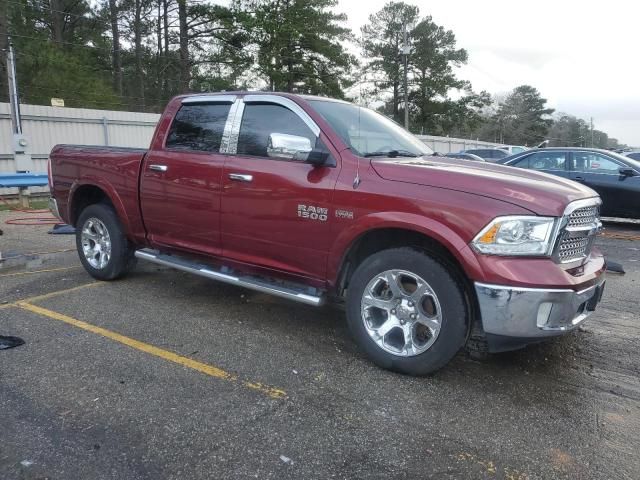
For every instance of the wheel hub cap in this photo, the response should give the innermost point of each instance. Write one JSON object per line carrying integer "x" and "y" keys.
{"x": 96, "y": 243}
{"x": 401, "y": 313}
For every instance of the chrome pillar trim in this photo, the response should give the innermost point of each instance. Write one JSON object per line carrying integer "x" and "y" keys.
{"x": 252, "y": 283}
{"x": 53, "y": 208}
{"x": 288, "y": 103}
{"x": 233, "y": 122}
{"x": 533, "y": 312}
{"x": 228, "y": 126}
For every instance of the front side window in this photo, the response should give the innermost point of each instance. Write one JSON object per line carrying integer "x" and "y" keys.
{"x": 546, "y": 161}
{"x": 368, "y": 133}
{"x": 198, "y": 127}
{"x": 594, "y": 163}
{"x": 260, "y": 120}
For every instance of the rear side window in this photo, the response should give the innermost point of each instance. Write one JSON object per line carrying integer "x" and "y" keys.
{"x": 635, "y": 156}
{"x": 198, "y": 127}
{"x": 261, "y": 120}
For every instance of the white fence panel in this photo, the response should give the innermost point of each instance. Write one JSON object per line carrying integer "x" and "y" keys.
{"x": 452, "y": 145}
{"x": 45, "y": 127}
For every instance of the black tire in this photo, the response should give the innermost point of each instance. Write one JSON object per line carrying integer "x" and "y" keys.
{"x": 122, "y": 253}
{"x": 454, "y": 312}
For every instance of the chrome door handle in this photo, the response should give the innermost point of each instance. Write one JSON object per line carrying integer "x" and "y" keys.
{"x": 158, "y": 168}
{"x": 241, "y": 177}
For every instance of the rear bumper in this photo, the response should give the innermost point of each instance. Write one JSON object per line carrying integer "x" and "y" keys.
{"x": 534, "y": 313}
{"x": 53, "y": 207}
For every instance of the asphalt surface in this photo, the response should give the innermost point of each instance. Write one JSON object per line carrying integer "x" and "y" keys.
{"x": 166, "y": 375}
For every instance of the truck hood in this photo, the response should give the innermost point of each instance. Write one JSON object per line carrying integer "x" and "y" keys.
{"x": 541, "y": 193}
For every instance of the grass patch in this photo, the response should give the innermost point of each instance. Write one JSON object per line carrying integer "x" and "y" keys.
{"x": 34, "y": 205}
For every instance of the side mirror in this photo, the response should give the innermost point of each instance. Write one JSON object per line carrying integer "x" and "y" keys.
{"x": 292, "y": 147}
{"x": 627, "y": 172}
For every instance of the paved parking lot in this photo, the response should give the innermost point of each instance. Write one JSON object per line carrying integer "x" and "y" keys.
{"x": 166, "y": 375}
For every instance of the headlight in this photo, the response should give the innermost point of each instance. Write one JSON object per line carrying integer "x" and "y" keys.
{"x": 516, "y": 236}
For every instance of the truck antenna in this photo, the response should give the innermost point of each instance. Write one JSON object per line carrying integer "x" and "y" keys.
{"x": 356, "y": 180}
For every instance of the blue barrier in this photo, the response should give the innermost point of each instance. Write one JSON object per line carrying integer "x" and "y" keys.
{"x": 23, "y": 180}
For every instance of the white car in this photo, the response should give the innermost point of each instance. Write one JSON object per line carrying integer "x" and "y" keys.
{"x": 633, "y": 154}
{"x": 513, "y": 149}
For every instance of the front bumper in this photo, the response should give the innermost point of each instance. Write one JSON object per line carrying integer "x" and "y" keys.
{"x": 534, "y": 313}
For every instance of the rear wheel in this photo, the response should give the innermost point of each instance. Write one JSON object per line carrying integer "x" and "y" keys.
{"x": 102, "y": 246}
{"x": 406, "y": 310}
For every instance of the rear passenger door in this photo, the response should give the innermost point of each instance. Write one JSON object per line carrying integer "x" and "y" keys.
{"x": 181, "y": 181}
{"x": 276, "y": 212}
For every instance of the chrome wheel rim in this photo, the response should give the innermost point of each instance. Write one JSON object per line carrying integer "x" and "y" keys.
{"x": 96, "y": 243}
{"x": 401, "y": 313}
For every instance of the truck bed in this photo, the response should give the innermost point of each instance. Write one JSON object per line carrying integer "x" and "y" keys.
{"x": 114, "y": 169}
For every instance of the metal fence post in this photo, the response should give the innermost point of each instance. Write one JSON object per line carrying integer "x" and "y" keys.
{"x": 105, "y": 129}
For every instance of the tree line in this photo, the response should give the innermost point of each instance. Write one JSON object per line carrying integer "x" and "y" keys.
{"x": 136, "y": 54}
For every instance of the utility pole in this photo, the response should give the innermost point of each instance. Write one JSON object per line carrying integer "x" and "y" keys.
{"x": 405, "y": 51}
{"x": 591, "y": 132}
{"x": 14, "y": 100}
{"x": 20, "y": 155}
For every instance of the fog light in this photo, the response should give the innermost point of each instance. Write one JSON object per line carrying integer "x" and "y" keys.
{"x": 544, "y": 311}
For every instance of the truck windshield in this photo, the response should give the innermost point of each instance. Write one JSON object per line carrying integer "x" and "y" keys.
{"x": 368, "y": 133}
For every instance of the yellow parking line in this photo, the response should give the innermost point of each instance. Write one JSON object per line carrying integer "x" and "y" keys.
{"x": 52, "y": 294}
{"x": 150, "y": 349}
{"x": 38, "y": 271}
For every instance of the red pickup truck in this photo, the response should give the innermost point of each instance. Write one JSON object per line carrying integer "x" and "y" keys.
{"x": 308, "y": 198}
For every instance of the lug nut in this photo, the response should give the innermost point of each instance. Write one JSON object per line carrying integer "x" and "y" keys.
{"x": 411, "y": 304}
{"x": 413, "y": 316}
{"x": 393, "y": 311}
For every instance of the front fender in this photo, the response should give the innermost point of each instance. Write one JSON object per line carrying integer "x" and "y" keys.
{"x": 429, "y": 227}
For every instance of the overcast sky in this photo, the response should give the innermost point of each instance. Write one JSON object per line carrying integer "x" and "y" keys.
{"x": 582, "y": 55}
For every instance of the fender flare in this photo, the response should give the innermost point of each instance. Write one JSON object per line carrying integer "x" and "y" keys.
{"x": 109, "y": 191}
{"x": 428, "y": 227}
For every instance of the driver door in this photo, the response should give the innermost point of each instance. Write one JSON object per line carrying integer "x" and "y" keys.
{"x": 276, "y": 211}
{"x": 618, "y": 192}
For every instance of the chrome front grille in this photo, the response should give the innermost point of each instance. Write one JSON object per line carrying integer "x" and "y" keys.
{"x": 578, "y": 229}
{"x": 573, "y": 248}
{"x": 584, "y": 216}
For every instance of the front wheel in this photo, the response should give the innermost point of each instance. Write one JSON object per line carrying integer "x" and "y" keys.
{"x": 407, "y": 311}
{"x": 102, "y": 245}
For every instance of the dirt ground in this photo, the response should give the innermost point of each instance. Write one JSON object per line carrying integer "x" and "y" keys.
{"x": 166, "y": 375}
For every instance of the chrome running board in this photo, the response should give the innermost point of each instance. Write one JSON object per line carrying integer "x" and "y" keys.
{"x": 298, "y": 293}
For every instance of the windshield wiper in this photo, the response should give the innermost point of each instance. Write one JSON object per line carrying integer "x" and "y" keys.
{"x": 391, "y": 154}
